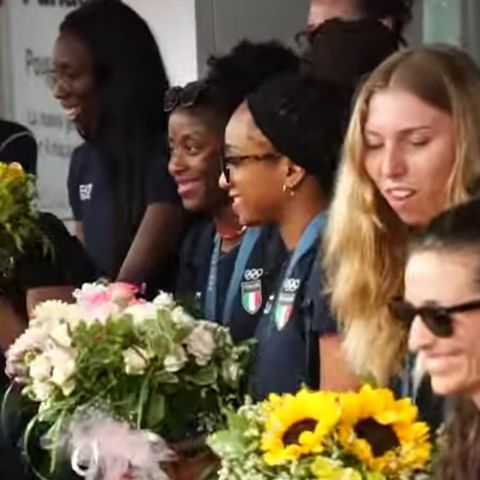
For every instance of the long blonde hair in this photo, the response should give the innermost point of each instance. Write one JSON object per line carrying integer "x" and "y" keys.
{"x": 364, "y": 249}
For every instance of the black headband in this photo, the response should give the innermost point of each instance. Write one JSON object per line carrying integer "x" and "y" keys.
{"x": 303, "y": 118}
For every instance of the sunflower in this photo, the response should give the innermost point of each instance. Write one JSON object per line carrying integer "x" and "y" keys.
{"x": 382, "y": 432}
{"x": 297, "y": 425}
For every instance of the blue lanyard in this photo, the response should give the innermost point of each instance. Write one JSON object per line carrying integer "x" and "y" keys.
{"x": 308, "y": 239}
{"x": 210, "y": 307}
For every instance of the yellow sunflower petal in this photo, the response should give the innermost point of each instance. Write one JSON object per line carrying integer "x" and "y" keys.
{"x": 407, "y": 447}
{"x": 297, "y": 425}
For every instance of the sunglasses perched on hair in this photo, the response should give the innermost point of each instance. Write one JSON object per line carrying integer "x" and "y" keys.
{"x": 186, "y": 96}
{"x": 229, "y": 161}
{"x": 436, "y": 318}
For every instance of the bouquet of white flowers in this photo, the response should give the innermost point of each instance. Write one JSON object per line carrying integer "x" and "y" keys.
{"x": 116, "y": 377}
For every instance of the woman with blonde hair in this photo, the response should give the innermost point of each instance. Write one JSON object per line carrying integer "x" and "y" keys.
{"x": 411, "y": 151}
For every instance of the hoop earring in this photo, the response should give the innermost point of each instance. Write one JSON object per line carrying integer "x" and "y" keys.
{"x": 289, "y": 190}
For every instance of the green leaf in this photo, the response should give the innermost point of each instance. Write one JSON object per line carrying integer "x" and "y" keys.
{"x": 205, "y": 376}
{"x": 228, "y": 444}
{"x": 165, "y": 377}
{"x": 144, "y": 393}
{"x": 155, "y": 411}
{"x": 237, "y": 422}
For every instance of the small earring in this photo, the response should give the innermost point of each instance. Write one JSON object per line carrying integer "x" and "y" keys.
{"x": 289, "y": 190}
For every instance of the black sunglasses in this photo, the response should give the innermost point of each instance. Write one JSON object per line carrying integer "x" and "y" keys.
{"x": 186, "y": 96}
{"x": 437, "y": 319}
{"x": 231, "y": 160}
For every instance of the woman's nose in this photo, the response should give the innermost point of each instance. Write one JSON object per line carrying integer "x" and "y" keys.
{"x": 175, "y": 162}
{"x": 223, "y": 183}
{"x": 393, "y": 162}
{"x": 420, "y": 337}
{"x": 59, "y": 90}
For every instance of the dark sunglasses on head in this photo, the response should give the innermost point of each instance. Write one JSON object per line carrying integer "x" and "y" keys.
{"x": 227, "y": 161}
{"x": 436, "y": 318}
{"x": 186, "y": 96}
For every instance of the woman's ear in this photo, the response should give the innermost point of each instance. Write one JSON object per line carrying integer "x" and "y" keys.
{"x": 294, "y": 175}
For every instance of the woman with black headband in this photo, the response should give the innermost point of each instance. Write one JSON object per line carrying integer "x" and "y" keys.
{"x": 282, "y": 146}
{"x": 223, "y": 268}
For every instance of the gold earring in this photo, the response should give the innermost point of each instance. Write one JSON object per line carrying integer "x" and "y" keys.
{"x": 288, "y": 189}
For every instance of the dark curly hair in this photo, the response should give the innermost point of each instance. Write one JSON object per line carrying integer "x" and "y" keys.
{"x": 231, "y": 77}
{"x": 130, "y": 81}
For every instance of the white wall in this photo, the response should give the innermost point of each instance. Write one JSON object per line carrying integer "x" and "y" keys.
{"x": 174, "y": 25}
{"x": 30, "y": 29}
{"x": 221, "y": 24}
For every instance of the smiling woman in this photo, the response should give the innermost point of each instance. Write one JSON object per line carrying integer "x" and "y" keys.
{"x": 402, "y": 130}
{"x": 282, "y": 149}
{"x": 122, "y": 197}
{"x": 224, "y": 268}
{"x": 444, "y": 326}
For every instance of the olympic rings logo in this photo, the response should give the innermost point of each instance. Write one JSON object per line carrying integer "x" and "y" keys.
{"x": 253, "y": 274}
{"x": 291, "y": 285}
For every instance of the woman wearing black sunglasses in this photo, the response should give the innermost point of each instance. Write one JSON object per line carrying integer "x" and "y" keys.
{"x": 441, "y": 307}
{"x": 223, "y": 267}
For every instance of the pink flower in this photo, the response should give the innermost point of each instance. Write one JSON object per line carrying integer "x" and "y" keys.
{"x": 123, "y": 293}
{"x": 97, "y": 302}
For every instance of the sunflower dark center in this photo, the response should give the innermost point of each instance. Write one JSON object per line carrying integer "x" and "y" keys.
{"x": 292, "y": 435}
{"x": 381, "y": 438}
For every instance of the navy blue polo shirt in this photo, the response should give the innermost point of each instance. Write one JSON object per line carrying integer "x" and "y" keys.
{"x": 91, "y": 199}
{"x": 287, "y": 335}
{"x": 260, "y": 270}
{"x": 194, "y": 267}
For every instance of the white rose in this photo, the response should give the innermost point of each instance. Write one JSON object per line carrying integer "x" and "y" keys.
{"x": 41, "y": 390}
{"x": 136, "y": 360}
{"x": 200, "y": 344}
{"x": 141, "y": 312}
{"x": 50, "y": 311}
{"x": 63, "y": 373}
{"x": 61, "y": 335}
{"x": 182, "y": 318}
{"x": 164, "y": 300}
{"x": 68, "y": 387}
{"x": 175, "y": 360}
{"x": 34, "y": 338}
{"x": 63, "y": 361}
{"x": 40, "y": 368}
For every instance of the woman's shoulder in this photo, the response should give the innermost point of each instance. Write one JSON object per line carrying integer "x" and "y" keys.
{"x": 84, "y": 152}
